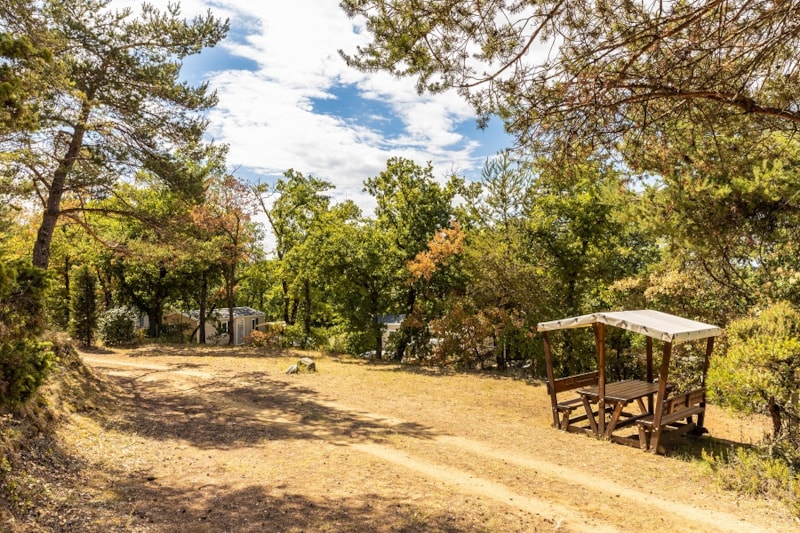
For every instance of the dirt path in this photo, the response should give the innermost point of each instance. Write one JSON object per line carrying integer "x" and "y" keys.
{"x": 233, "y": 444}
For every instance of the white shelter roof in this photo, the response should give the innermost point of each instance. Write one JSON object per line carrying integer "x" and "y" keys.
{"x": 662, "y": 326}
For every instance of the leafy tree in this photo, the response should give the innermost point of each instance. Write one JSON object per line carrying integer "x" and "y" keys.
{"x": 226, "y": 217}
{"x": 25, "y": 361}
{"x": 579, "y": 232}
{"x": 256, "y": 288}
{"x": 503, "y": 287}
{"x": 25, "y": 61}
{"x": 589, "y": 71}
{"x": 356, "y": 265}
{"x": 760, "y": 372}
{"x": 143, "y": 260}
{"x": 83, "y": 303}
{"x": 293, "y": 207}
{"x": 412, "y": 206}
{"x": 506, "y": 182}
{"x": 118, "y": 108}
{"x": 728, "y": 210}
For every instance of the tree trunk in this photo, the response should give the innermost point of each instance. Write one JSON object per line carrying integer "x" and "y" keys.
{"x": 502, "y": 360}
{"x": 376, "y": 326}
{"x": 66, "y": 290}
{"x": 154, "y": 319}
{"x": 104, "y": 282}
{"x": 286, "y": 302}
{"x": 306, "y": 312}
{"x": 402, "y": 342}
{"x": 202, "y": 319}
{"x": 41, "y": 248}
{"x": 229, "y": 294}
{"x": 775, "y": 414}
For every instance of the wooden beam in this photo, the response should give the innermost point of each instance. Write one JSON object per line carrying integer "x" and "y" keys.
{"x": 709, "y": 348}
{"x": 600, "y": 344}
{"x": 660, "y": 397}
{"x": 649, "y": 345}
{"x": 548, "y": 357}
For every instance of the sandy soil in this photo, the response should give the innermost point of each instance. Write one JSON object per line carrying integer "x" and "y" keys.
{"x": 219, "y": 441}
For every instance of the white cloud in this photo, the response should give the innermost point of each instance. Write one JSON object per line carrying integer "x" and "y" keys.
{"x": 266, "y": 115}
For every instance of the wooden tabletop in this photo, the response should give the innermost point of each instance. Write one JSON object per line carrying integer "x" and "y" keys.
{"x": 622, "y": 391}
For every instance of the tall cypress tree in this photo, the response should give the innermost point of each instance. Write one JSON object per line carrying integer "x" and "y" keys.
{"x": 83, "y": 304}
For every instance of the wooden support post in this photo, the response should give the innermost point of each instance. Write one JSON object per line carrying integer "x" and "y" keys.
{"x": 709, "y": 348}
{"x": 600, "y": 342}
{"x": 660, "y": 397}
{"x": 649, "y": 347}
{"x": 548, "y": 357}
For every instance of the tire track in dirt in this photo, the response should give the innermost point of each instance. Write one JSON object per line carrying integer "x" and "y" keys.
{"x": 568, "y": 516}
{"x": 713, "y": 519}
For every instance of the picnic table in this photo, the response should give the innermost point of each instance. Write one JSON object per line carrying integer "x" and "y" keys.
{"x": 618, "y": 394}
{"x": 664, "y": 415}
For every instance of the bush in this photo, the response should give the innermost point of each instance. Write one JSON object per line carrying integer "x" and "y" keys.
{"x": 117, "y": 326}
{"x": 24, "y": 360}
{"x": 24, "y": 365}
{"x": 271, "y": 338}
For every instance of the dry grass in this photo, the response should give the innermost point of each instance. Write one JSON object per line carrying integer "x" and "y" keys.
{"x": 181, "y": 438}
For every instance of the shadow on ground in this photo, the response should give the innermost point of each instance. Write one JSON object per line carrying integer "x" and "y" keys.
{"x": 262, "y": 508}
{"x": 238, "y": 411}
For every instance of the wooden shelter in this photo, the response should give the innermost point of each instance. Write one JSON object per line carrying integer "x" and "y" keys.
{"x": 602, "y": 408}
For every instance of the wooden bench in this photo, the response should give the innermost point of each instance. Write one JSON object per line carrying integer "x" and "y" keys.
{"x": 675, "y": 410}
{"x": 562, "y": 410}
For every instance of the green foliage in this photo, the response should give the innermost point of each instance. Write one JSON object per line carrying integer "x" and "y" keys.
{"x": 760, "y": 370}
{"x": 361, "y": 268}
{"x": 754, "y": 473}
{"x": 297, "y": 209}
{"x": 22, "y": 290}
{"x": 24, "y": 62}
{"x": 24, "y": 360}
{"x": 117, "y": 106}
{"x": 412, "y": 207}
{"x": 727, "y": 208}
{"x": 83, "y": 306}
{"x": 117, "y": 326}
{"x": 24, "y": 365}
{"x": 584, "y": 73}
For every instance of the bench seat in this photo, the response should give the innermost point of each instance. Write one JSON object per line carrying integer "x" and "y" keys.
{"x": 674, "y": 410}
{"x": 671, "y": 418}
{"x": 562, "y": 409}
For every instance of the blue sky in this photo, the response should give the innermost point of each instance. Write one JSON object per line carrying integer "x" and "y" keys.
{"x": 287, "y": 100}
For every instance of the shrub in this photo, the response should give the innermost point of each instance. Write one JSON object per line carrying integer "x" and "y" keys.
{"x": 83, "y": 304}
{"x": 271, "y": 338}
{"x": 24, "y": 360}
{"x": 24, "y": 364}
{"x": 117, "y": 326}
